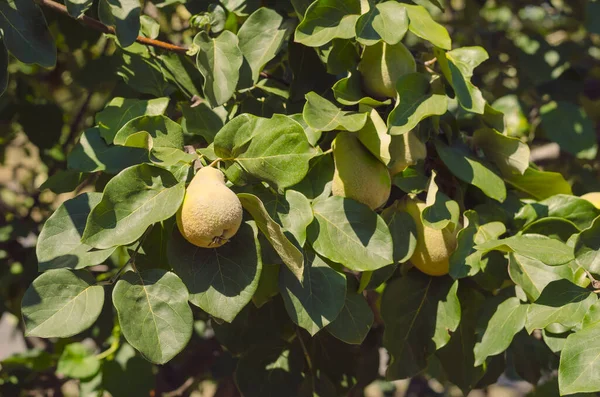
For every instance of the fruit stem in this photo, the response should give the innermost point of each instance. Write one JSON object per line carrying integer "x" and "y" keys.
{"x": 213, "y": 164}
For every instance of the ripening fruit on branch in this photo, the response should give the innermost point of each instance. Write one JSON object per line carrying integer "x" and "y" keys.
{"x": 358, "y": 174}
{"x": 405, "y": 150}
{"x": 593, "y": 197}
{"x": 211, "y": 213}
{"x": 434, "y": 246}
{"x": 381, "y": 65}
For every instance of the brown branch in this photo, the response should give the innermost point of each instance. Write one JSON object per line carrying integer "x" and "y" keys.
{"x": 99, "y": 26}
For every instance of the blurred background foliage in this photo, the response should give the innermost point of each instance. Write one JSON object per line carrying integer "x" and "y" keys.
{"x": 543, "y": 73}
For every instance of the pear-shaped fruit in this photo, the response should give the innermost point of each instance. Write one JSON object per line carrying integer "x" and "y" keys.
{"x": 381, "y": 65}
{"x": 358, "y": 174}
{"x": 593, "y": 197}
{"x": 211, "y": 213}
{"x": 405, "y": 150}
{"x": 434, "y": 246}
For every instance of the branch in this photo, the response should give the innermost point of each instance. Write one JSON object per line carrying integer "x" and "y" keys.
{"x": 99, "y": 26}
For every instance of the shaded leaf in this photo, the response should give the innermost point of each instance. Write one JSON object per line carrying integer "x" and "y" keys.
{"x": 539, "y": 184}
{"x": 124, "y": 16}
{"x": 204, "y": 121}
{"x": 322, "y": 115}
{"x": 440, "y": 210}
{"x": 587, "y": 247}
{"x": 348, "y": 91}
{"x": 387, "y": 21}
{"x": 422, "y": 24}
{"x": 326, "y": 20}
{"x": 509, "y": 154}
{"x": 535, "y": 246}
{"x": 579, "y": 362}
{"x": 355, "y": 320}
{"x": 163, "y": 131}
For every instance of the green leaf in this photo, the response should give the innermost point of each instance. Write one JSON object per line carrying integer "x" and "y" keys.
{"x": 154, "y": 313}
{"x": 403, "y": 231}
{"x": 318, "y": 300}
{"x": 64, "y": 181}
{"x": 77, "y": 361}
{"x": 462, "y": 261}
{"x": 165, "y": 133}
{"x": 26, "y": 34}
{"x": 299, "y": 215}
{"x": 261, "y": 37}
{"x": 317, "y": 183}
{"x": 269, "y": 370}
{"x": 142, "y": 73}
{"x": 416, "y": 103}
{"x": 322, "y": 115}
{"x": 509, "y": 154}
{"x": 415, "y": 309}
{"x": 579, "y": 362}
{"x": 533, "y": 275}
{"x": 507, "y": 320}
{"x": 349, "y": 233}
{"x": 3, "y": 67}
{"x": 291, "y": 256}
{"x": 457, "y": 66}
{"x": 326, "y": 20}
{"x": 387, "y": 21}
{"x": 76, "y": 8}
{"x": 539, "y": 184}
{"x": 575, "y": 209}
{"x": 92, "y": 154}
{"x": 568, "y": 125}
{"x": 557, "y": 228}
{"x": 411, "y": 180}
{"x": 124, "y": 16}
{"x": 343, "y": 56}
{"x": 440, "y": 211}
{"x": 534, "y": 246}
{"x": 219, "y": 60}
{"x": 470, "y": 170}
{"x": 153, "y": 195}
{"x": 268, "y": 284}
{"x": 423, "y": 25}
{"x": 61, "y": 303}
{"x": 120, "y": 110}
{"x": 59, "y": 244}
{"x": 221, "y": 281}
{"x": 204, "y": 121}
{"x": 587, "y": 247}
{"x": 274, "y": 150}
{"x": 354, "y": 321}
{"x": 348, "y": 91}
{"x": 560, "y": 302}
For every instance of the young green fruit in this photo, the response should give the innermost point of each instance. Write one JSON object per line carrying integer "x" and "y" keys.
{"x": 593, "y": 197}
{"x": 358, "y": 174}
{"x": 381, "y": 65}
{"x": 434, "y": 246}
{"x": 211, "y": 213}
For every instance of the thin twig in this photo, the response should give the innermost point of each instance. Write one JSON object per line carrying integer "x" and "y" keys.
{"x": 305, "y": 350}
{"x": 99, "y": 26}
{"x": 181, "y": 389}
{"x": 131, "y": 261}
{"x": 214, "y": 163}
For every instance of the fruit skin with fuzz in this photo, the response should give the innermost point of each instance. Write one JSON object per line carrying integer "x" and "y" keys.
{"x": 358, "y": 174}
{"x": 434, "y": 247}
{"x": 211, "y": 213}
{"x": 405, "y": 150}
{"x": 381, "y": 65}
{"x": 593, "y": 197}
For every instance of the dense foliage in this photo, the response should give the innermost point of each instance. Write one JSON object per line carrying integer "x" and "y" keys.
{"x": 410, "y": 175}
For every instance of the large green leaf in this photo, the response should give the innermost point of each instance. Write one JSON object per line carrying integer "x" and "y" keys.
{"x": 575, "y": 209}
{"x": 59, "y": 244}
{"x": 509, "y": 154}
{"x": 508, "y": 319}
{"x": 164, "y": 131}
{"x": 153, "y": 194}
{"x": 560, "y": 302}
{"x": 261, "y": 37}
{"x": 154, "y": 313}
{"x": 535, "y": 246}
{"x": 274, "y": 150}
{"x": 387, "y": 21}
{"x": 539, "y": 184}
{"x": 579, "y": 362}
{"x": 120, "y": 110}
{"x": 533, "y": 275}
{"x": 418, "y": 312}
{"x": 318, "y": 300}
{"x": 92, "y": 154}
{"x": 416, "y": 103}
{"x": 457, "y": 66}
{"x": 61, "y": 303}
{"x": 204, "y": 121}
{"x": 326, "y": 20}
{"x": 342, "y": 56}
{"x": 25, "y": 32}
{"x": 291, "y": 256}
{"x": 472, "y": 171}
{"x": 587, "y": 247}
{"x": 422, "y": 24}
{"x": 298, "y": 216}
{"x": 219, "y": 60}
{"x": 317, "y": 183}
{"x": 349, "y": 233}
{"x": 142, "y": 72}
{"x": 322, "y": 115}
{"x": 221, "y": 281}
{"x": 124, "y": 16}
{"x": 355, "y": 320}
{"x": 568, "y": 125}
